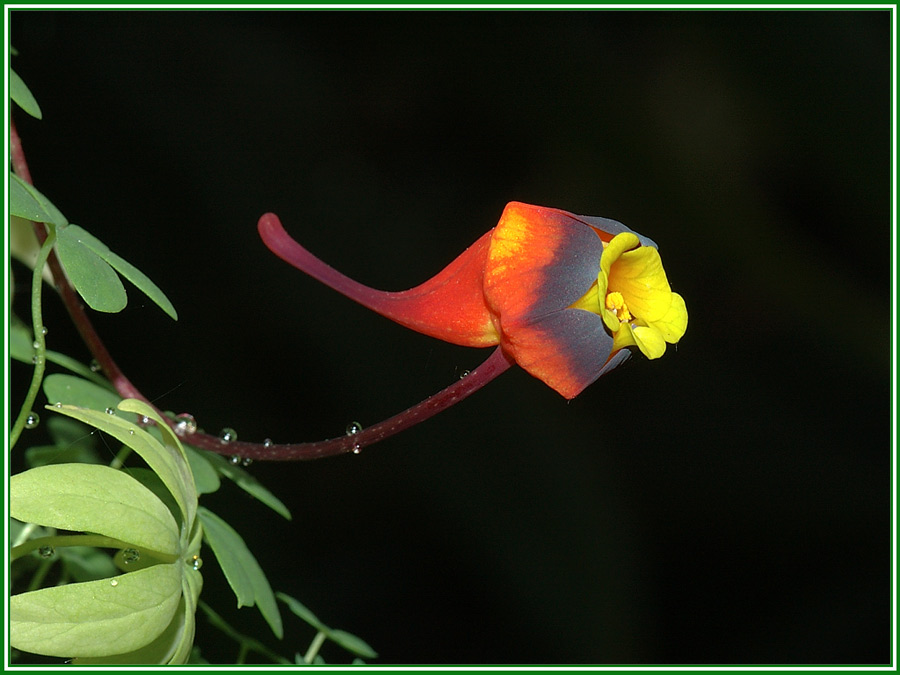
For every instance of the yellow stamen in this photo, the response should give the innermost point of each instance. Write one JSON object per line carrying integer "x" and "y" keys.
{"x": 616, "y": 304}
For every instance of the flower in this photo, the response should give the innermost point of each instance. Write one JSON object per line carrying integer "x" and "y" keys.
{"x": 564, "y": 296}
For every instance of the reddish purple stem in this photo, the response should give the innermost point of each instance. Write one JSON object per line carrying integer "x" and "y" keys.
{"x": 495, "y": 364}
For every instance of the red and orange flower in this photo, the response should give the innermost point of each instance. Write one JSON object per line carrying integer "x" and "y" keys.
{"x": 566, "y": 297}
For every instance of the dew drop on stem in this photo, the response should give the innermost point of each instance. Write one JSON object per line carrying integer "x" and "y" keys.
{"x": 46, "y": 551}
{"x": 353, "y": 428}
{"x": 95, "y": 366}
{"x": 185, "y": 424}
{"x": 130, "y": 555}
{"x": 227, "y": 435}
{"x": 32, "y": 420}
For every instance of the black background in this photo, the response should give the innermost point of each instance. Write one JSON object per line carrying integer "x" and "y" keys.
{"x": 728, "y": 503}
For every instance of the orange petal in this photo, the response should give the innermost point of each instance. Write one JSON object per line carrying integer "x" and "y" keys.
{"x": 540, "y": 261}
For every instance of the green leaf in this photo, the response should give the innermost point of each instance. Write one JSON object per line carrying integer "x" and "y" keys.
{"x": 151, "y": 480}
{"x": 241, "y": 569}
{"x": 97, "y": 499}
{"x": 20, "y": 93}
{"x": 26, "y": 201}
{"x": 348, "y": 641}
{"x": 192, "y": 584}
{"x": 125, "y": 268}
{"x": 353, "y": 644}
{"x": 181, "y": 479}
{"x": 302, "y": 611}
{"x": 159, "y": 651}
{"x": 174, "y": 645}
{"x": 247, "y": 482}
{"x": 205, "y": 476}
{"x": 167, "y": 461}
{"x": 71, "y": 390}
{"x": 96, "y": 618}
{"x": 91, "y": 276}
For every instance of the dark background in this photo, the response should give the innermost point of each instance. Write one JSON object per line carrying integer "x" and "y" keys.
{"x": 728, "y": 503}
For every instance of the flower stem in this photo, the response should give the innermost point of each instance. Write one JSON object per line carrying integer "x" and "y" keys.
{"x": 495, "y": 364}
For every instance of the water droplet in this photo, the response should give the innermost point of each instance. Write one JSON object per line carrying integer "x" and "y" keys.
{"x": 236, "y": 459}
{"x": 144, "y": 421}
{"x": 46, "y": 551}
{"x": 95, "y": 366}
{"x": 464, "y": 374}
{"x": 357, "y": 449}
{"x": 227, "y": 435}
{"x": 58, "y": 404}
{"x": 268, "y": 443}
{"x": 37, "y": 359}
{"x": 36, "y": 344}
{"x": 247, "y": 461}
{"x": 43, "y": 330}
{"x": 131, "y": 432}
{"x": 196, "y": 562}
{"x": 353, "y": 428}
{"x": 32, "y": 421}
{"x": 110, "y": 411}
{"x": 114, "y": 582}
{"x": 185, "y": 424}
{"x": 130, "y": 555}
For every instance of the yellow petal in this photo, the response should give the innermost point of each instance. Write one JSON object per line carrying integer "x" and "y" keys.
{"x": 624, "y": 337}
{"x": 650, "y": 341}
{"x": 639, "y": 276}
{"x": 673, "y": 324}
{"x": 614, "y": 250}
